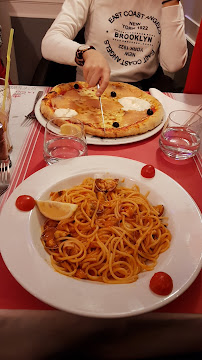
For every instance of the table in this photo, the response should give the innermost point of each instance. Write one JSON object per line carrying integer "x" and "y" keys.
{"x": 178, "y": 322}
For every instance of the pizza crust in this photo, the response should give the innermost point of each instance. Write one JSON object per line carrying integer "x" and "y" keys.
{"x": 86, "y": 103}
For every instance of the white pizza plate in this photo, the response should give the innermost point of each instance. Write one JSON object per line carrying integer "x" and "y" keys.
{"x": 29, "y": 263}
{"x": 94, "y": 140}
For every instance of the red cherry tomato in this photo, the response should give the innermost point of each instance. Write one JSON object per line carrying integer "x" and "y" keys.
{"x": 25, "y": 202}
{"x": 161, "y": 283}
{"x": 148, "y": 171}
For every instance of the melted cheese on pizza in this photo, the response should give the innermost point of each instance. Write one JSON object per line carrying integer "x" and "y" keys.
{"x": 134, "y": 103}
{"x": 68, "y": 113}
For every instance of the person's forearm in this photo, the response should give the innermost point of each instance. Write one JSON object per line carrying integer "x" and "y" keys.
{"x": 57, "y": 48}
{"x": 171, "y": 3}
{"x": 57, "y": 44}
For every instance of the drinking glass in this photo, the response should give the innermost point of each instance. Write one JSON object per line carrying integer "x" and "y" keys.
{"x": 180, "y": 137}
{"x": 65, "y": 141}
{"x": 5, "y": 106}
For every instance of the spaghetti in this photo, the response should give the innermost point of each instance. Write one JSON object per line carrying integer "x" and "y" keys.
{"x": 111, "y": 237}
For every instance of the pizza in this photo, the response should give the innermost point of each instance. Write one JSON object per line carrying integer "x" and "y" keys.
{"x": 127, "y": 109}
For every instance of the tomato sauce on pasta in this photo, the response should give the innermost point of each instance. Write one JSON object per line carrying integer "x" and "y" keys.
{"x": 114, "y": 234}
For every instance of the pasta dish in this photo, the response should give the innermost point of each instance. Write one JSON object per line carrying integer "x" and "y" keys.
{"x": 114, "y": 234}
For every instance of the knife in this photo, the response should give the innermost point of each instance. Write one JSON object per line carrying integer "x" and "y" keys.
{"x": 103, "y": 121}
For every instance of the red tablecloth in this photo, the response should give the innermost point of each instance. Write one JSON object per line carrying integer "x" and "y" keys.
{"x": 187, "y": 173}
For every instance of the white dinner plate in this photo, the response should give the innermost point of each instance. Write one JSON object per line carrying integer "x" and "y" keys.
{"x": 94, "y": 140}
{"x": 29, "y": 263}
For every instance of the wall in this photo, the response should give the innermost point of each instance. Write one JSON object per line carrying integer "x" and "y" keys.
{"x": 5, "y": 22}
{"x": 193, "y": 15}
{"x": 31, "y": 19}
{"x": 28, "y": 35}
{"x": 35, "y": 8}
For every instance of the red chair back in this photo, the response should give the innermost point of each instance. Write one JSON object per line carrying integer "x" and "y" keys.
{"x": 193, "y": 83}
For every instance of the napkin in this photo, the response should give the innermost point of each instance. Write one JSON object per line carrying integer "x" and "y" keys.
{"x": 171, "y": 104}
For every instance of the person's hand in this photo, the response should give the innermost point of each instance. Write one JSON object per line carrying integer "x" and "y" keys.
{"x": 96, "y": 70}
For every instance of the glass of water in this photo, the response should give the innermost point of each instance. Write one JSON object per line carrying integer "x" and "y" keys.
{"x": 65, "y": 140}
{"x": 180, "y": 137}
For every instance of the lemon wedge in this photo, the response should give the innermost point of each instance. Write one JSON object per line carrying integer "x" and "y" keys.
{"x": 70, "y": 129}
{"x": 56, "y": 210}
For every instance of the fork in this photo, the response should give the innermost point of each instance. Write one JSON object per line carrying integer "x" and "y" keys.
{"x": 31, "y": 116}
{"x": 4, "y": 176}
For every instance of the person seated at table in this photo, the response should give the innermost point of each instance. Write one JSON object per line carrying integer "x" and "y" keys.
{"x": 127, "y": 41}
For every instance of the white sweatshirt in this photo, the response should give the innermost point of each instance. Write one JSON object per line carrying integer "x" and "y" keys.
{"x": 133, "y": 35}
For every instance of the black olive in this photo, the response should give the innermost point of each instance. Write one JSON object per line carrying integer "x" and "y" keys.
{"x": 76, "y": 86}
{"x": 115, "y": 124}
{"x": 150, "y": 112}
{"x": 113, "y": 94}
